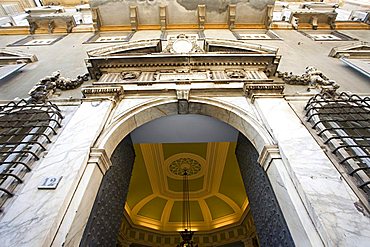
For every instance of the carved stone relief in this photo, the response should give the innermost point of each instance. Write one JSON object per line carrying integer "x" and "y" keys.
{"x": 183, "y": 44}
{"x": 47, "y": 86}
{"x": 311, "y": 77}
{"x": 235, "y": 73}
{"x": 130, "y": 75}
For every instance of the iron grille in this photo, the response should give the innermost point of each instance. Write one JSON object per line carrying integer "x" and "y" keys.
{"x": 343, "y": 123}
{"x": 25, "y": 129}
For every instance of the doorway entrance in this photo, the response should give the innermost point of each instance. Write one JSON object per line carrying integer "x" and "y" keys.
{"x": 106, "y": 216}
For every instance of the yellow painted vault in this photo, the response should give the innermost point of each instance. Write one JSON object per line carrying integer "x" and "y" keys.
{"x": 217, "y": 193}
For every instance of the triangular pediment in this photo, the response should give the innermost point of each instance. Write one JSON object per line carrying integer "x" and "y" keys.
{"x": 9, "y": 56}
{"x": 143, "y": 47}
{"x": 361, "y": 50}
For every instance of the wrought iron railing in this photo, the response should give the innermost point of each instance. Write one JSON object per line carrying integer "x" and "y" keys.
{"x": 342, "y": 121}
{"x": 25, "y": 129}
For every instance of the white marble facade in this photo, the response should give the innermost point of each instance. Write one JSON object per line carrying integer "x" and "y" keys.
{"x": 318, "y": 205}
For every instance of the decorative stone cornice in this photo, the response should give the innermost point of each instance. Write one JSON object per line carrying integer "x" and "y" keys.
{"x": 102, "y": 91}
{"x": 271, "y": 88}
{"x": 99, "y": 157}
{"x": 269, "y": 152}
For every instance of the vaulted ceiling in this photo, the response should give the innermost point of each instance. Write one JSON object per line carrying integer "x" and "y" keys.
{"x": 217, "y": 193}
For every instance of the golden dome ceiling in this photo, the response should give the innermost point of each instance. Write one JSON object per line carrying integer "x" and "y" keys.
{"x": 217, "y": 194}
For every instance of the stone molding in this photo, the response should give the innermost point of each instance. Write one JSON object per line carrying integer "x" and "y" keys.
{"x": 112, "y": 49}
{"x": 183, "y": 94}
{"x": 8, "y": 56}
{"x": 253, "y": 90}
{"x": 360, "y": 49}
{"x": 100, "y": 157}
{"x": 93, "y": 92}
{"x": 269, "y": 152}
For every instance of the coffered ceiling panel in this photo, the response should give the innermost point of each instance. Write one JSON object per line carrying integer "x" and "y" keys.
{"x": 217, "y": 193}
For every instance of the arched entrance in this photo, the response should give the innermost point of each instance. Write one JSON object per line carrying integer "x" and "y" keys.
{"x": 104, "y": 220}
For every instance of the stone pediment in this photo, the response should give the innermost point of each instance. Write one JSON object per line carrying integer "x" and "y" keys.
{"x": 147, "y": 56}
{"x": 358, "y": 50}
{"x": 8, "y": 56}
{"x": 222, "y": 45}
{"x": 153, "y": 46}
{"x": 142, "y": 46}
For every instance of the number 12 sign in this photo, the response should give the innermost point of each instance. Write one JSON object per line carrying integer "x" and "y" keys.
{"x": 49, "y": 183}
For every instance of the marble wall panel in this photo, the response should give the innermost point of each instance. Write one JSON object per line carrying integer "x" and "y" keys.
{"x": 35, "y": 215}
{"x": 327, "y": 198}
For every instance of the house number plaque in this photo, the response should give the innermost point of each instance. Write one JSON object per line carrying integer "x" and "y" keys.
{"x": 49, "y": 183}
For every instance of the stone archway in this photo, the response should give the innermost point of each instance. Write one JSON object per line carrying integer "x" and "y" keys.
{"x": 101, "y": 226}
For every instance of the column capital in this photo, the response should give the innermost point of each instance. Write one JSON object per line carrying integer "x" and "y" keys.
{"x": 100, "y": 157}
{"x": 269, "y": 152}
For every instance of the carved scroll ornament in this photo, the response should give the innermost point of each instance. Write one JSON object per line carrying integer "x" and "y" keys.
{"x": 47, "y": 86}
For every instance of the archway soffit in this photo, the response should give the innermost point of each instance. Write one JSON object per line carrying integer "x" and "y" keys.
{"x": 125, "y": 123}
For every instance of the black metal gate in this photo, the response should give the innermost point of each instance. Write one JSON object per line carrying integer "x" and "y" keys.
{"x": 270, "y": 224}
{"x": 106, "y": 216}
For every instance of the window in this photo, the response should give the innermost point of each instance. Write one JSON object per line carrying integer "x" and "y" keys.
{"x": 111, "y": 39}
{"x": 343, "y": 123}
{"x": 25, "y": 129}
